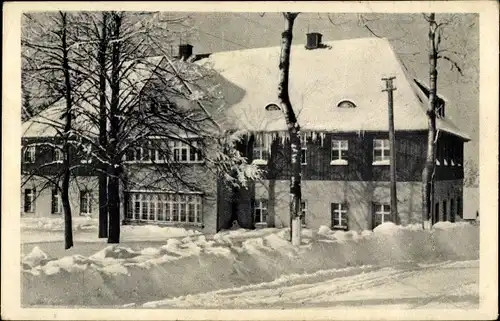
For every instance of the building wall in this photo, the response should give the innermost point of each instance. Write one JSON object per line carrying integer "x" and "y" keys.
{"x": 43, "y": 201}
{"x": 447, "y": 191}
{"x": 196, "y": 178}
{"x": 358, "y": 194}
{"x": 411, "y": 150}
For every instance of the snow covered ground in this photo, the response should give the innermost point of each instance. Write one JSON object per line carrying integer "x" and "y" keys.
{"x": 172, "y": 267}
{"x": 449, "y": 285}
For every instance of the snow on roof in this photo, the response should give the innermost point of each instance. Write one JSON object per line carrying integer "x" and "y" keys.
{"x": 319, "y": 79}
{"x": 48, "y": 121}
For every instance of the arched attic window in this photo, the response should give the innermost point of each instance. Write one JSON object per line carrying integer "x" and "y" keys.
{"x": 346, "y": 104}
{"x": 272, "y": 107}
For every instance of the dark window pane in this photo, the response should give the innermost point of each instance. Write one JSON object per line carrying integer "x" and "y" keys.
{"x": 303, "y": 156}
{"x": 192, "y": 154}
{"x": 137, "y": 210}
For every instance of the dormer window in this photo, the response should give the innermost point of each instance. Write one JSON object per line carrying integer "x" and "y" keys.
{"x": 346, "y": 104}
{"x": 272, "y": 107}
{"x": 440, "y": 111}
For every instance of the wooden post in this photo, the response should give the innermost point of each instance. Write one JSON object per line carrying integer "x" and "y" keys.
{"x": 394, "y": 200}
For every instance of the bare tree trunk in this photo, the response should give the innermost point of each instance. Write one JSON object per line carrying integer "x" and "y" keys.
{"x": 103, "y": 177}
{"x": 293, "y": 128}
{"x": 113, "y": 181}
{"x": 430, "y": 163}
{"x": 68, "y": 231}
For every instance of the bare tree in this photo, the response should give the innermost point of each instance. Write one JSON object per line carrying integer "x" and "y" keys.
{"x": 49, "y": 61}
{"x": 293, "y": 127}
{"x": 435, "y": 52}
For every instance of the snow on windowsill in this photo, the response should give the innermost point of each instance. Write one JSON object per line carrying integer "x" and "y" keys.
{"x": 260, "y": 225}
{"x": 381, "y": 162}
{"x": 339, "y": 162}
{"x": 259, "y": 162}
{"x": 160, "y": 162}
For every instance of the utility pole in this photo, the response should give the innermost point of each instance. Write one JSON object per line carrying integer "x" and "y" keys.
{"x": 394, "y": 200}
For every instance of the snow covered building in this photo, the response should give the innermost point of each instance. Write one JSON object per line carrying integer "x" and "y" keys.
{"x": 336, "y": 90}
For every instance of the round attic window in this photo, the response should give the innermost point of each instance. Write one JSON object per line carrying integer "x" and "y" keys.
{"x": 272, "y": 107}
{"x": 346, "y": 104}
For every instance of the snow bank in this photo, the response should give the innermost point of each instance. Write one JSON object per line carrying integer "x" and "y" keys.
{"x": 47, "y": 229}
{"x": 117, "y": 275}
{"x": 55, "y": 224}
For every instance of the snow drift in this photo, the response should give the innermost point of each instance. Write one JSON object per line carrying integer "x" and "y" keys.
{"x": 117, "y": 275}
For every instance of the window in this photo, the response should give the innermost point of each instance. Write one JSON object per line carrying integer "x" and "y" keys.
{"x": 339, "y": 216}
{"x": 381, "y": 152}
{"x": 272, "y": 107}
{"x": 165, "y": 207}
{"x": 339, "y": 152}
{"x": 85, "y": 202}
{"x": 185, "y": 153}
{"x": 303, "y": 155}
{"x": 381, "y": 214}
{"x": 346, "y": 104}
{"x": 58, "y": 155}
{"x": 436, "y": 212}
{"x": 445, "y": 213}
{"x": 440, "y": 110}
{"x": 56, "y": 207}
{"x": 29, "y": 154}
{"x": 260, "y": 212}
{"x": 29, "y": 200}
{"x": 303, "y": 211}
{"x": 260, "y": 150}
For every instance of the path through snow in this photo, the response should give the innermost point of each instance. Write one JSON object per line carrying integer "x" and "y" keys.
{"x": 452, "y": 285}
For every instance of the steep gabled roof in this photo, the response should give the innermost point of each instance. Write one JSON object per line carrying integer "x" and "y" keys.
{"x": 320, "y": 79}
{"x": 44, "y": 124}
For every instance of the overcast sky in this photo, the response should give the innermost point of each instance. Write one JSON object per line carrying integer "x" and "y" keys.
{"x": 407, "y": 33}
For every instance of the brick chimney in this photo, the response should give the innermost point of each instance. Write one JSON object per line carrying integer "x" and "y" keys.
{"x": 185, "y": 51}
{"x": 313, "y": 40}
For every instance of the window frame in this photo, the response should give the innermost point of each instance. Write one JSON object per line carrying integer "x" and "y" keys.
{"x": 178, "y": 147}
{"x": 337, "y": 146}
{"x": 384, "y": 212}
{"x": 56, "y": 198}
{"x": 339, "y": 209}
{"x": 342, "y": 104}
{"x": 57, "y": 155}
{"x": 31, "y": 151}
{"x": 385, "y": 149}
{"x": 260, "y": 148}
{"x": 261, "y": 204}
{"x": 165, "y": 207}
{"x": 32, "y": 200}
{"x": 86, "y": 195}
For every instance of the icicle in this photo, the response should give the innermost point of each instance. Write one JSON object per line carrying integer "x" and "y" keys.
{"x": 268, "y": 143}
{"x": 314, "y": 136}
{"x": 322, "y": 137}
